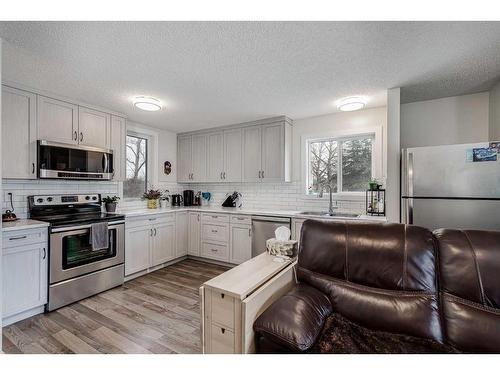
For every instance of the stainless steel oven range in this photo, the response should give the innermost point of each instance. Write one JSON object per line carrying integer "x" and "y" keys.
{"x": 77, "y": 268}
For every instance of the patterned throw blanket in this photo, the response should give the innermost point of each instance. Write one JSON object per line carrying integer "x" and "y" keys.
{"x": 341, "y": 336}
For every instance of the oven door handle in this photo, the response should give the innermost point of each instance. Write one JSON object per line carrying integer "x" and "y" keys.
{"x": 78, "y": 227}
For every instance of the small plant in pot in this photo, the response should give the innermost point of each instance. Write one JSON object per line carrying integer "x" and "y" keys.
{"x": 373, "y": 184}
{"x": 110, "y": 203}
{"x": 152, "y": 196}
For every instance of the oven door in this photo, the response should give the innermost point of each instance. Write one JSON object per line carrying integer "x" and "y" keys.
{"x": 74, "y": 162}
{"x": 71, "y": 253}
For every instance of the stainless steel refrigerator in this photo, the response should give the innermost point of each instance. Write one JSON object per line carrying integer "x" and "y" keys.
{"x": 442, "y": 187}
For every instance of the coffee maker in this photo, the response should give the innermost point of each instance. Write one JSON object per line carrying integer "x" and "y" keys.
{"x": 176, "y": 200}
{"x": 188, "y": 197}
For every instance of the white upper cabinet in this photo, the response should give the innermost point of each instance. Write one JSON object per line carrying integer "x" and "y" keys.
{"x": 93, "y": 128}
{"x": 233, "y": 155}
{"x": 260, "y": 152}
{"x": 118, "y": 139}
{"x": 215, "y": 157}
{"x": 184, "y": 159}
{"x": 18, "y": 133}
{"x": 252, "y": 153}
{"x": 273, "y": 153}
{"x": 57, "y": 120}
{"x": 199, "y": 154}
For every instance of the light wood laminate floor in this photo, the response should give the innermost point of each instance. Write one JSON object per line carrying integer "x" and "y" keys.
{"x": 155, "y": 313}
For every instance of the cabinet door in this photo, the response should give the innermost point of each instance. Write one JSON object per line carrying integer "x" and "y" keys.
{"x": 199, "y": 154}
{"x": 118, "y": 139}
{"x": 137, "y": 247}
{"x": 181, "y": 234}
{"x": 163, "y": 248}
{"x": 296, "y": 228}
{"x": 18, "y": 133}
{"x": 232, "y": 155}
{"x": 215, "y": 157}
{"x": 24, "y": 278}
{"x": 252, "y": 153}
{"x": 57, "y": 120}
{"x": 93, "y": 128}
{"x": 184, "y": 159}
{"x": 194, "y": 239}
{"x": 273, "y": 152}
{"x": 241, "y": 244}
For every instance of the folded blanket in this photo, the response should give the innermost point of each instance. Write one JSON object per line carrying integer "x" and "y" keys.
{"x": 342, "y": 336}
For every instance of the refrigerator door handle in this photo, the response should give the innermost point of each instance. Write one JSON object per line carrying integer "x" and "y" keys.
{"x": 410, "y": 175}
{"x": 407, "y": 210}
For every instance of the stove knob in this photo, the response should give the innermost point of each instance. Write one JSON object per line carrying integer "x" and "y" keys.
{"x": 40, "y": 200}
{"x": 87, "y": 198}
{"x": 50, "y": 199}
{"x": 94, "y": 198}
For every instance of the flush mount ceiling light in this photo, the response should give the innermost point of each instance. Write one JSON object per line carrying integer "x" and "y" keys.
{"x": 352, "y": 103}
{"x": 147, "y": 103}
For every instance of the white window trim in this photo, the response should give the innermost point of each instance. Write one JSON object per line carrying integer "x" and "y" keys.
{"x": 377, "y": 158}
{"x": 152, "y": 156}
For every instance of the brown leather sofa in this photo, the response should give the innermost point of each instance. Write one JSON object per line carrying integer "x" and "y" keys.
{"x": 388, "y": 288}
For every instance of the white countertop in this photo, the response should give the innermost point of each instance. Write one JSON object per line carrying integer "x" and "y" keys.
{"x": 23, "y": 224}
{"x": 242, "y": 211}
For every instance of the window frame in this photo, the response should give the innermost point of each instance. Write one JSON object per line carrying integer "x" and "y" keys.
{"x": 339, "y": 139}
{"x": 149, "y": 162}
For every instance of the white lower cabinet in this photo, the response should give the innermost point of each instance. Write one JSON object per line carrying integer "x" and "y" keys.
{"x": 181, "y": 234}
{"x": 241, "y": 243}
{"x": 149, "y": 242}
{"x": 215, "y": 237}
{"x": 24, "y": 274}
{"x": 194, "y": 238}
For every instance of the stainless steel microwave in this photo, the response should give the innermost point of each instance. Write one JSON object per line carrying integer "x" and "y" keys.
{"x": 73, "y": 162}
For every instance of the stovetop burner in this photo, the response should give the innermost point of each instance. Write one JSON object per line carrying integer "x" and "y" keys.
{"x": 66, "y": 210}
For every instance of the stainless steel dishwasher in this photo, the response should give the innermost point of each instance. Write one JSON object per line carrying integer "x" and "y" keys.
{"x": 263, "y": 228}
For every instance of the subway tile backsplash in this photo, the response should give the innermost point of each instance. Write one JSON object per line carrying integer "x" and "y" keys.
{"x": 285, "y": 196}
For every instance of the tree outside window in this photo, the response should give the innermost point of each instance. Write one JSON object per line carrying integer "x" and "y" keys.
{"x": 136, "y": 169}
{"x": 342, "y": 165}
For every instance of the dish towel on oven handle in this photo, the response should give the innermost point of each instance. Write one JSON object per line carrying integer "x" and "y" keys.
{"x": 99, "y": 238}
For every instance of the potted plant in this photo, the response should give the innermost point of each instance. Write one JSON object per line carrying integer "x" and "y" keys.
{"x": 152, "y": 196}
{"x": 110, "y": 203}
{"x": 373, "y": 184}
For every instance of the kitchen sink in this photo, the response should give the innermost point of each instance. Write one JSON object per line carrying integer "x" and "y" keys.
{"x": 324, "y": 213}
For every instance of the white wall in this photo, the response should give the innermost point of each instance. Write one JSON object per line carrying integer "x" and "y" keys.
{"x": 1, "y": 193}
{"x": 393, "y": 199}
{"x": 494, "y": 113}
{"x": 452, "y": 120}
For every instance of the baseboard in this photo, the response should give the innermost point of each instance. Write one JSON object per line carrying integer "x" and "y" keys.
{"x": 155, "y": 268}
{"x": 22, "y": 315}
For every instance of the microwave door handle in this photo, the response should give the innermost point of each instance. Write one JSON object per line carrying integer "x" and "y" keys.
{"x": 105, "y": 163}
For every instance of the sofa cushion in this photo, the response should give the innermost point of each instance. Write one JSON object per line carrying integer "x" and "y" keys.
{"x": 296, "y": 319}
{"x": 341, "y": 336}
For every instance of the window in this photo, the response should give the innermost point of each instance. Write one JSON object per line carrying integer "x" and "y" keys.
{"x": 344, "y": 164}
{"x": 137, "y": 166}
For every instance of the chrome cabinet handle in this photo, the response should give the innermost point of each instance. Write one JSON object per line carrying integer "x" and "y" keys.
{"x": 151, "y": 232}
{"x": 224, "y": 175}
{"x": 198, "y": 217}
{"x": 262, "y": 174}
{"x": 259, "y": 174}
{"x": 17, "y": 238}
{"x": 81, "y": 136}
{"x": 249, "y": 233}
{"x": 76, "y": 135}
{"x": 214, "y": 231}
{"x": 221, "y": 175}
{"x": 44, "y": 253}
{"x": 32, "y": 168}
{"x": 155, "y": 232}
{"x": 214, "y": 250}
{"x": 152, "y": 219}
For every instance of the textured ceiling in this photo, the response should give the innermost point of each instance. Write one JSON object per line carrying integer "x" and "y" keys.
{"x": 217, "y": 73}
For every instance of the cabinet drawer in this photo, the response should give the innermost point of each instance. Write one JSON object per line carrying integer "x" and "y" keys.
{"x": 241, "y": 219}
{"x": 212, "y": 232}
{"x": 215, "y": 251}
{"x": 142, "y": 221}
{"x": 223, "y": 309}
{"x": 222, "y": 340}
{"x": 24, "y": 237}
{"x": 215, "y": 218}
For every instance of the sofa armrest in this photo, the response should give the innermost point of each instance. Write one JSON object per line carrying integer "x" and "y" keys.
{"x": 296, "y": 319}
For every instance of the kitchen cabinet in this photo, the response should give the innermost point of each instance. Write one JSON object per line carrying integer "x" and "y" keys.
{"x": 181, "y": 230}
{"x": 252, "y": 154}
{"x": 149, "y": 242}
{"x": 199, "y": 156}
{"x": 137, "y": 243}
{"x": 232, "y": 155}
{"x": 184, "y": 159}
{"x": 241, "y": 243}
{"x": 162, "y": 249}
{"x": 273, "y": 153}
{"x": 19, "y": 134}
{"x": 194, "y": 238}
{"x": 57, "y": 120}
{"x": 118, "y": 140}
{"x": 215, "y": 236}
{"x": 93, "y": 128}
{"x": 24, "y": 274}
{"x": 215, "y": 157}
